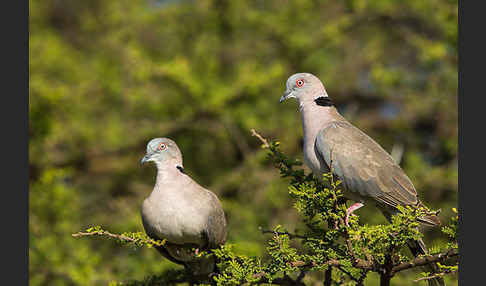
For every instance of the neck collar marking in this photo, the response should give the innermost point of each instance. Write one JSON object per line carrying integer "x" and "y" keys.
{"x": 181, "y": 169}
{"x": 324, "y": 101}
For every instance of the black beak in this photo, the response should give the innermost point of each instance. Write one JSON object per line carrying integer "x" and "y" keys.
{"x": 144, "y": 159}
{"x": 285, "y": 96}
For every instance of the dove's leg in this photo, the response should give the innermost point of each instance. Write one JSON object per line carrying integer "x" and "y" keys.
{"x": 350, "y": 211}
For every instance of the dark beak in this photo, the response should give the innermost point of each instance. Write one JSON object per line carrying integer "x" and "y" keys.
{"x": 285, "y": 96}
{"x": 144, "y": 159}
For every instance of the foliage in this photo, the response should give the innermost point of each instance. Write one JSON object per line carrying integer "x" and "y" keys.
{"x": 107, "y": 76}
{"x": 327, "y": 243}
{"x": 137, "y": 239}
{"x": 453, "y": 227}
{"x": 354, "y": 250}
{"x": 55, "y": 203}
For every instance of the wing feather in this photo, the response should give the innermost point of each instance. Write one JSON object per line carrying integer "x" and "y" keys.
{"x": 363, "y": 166}
{"x": 215, "y": 230}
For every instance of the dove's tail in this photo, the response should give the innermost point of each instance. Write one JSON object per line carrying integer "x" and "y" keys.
{"x": 431, "y": 219}
{"x": 196, "y": 266}
{"x": 417, "y": 247}
{"x": 202, "y": 266}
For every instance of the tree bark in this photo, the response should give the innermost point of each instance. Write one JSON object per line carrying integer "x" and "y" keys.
{"x": 328, "y": 276}
{"x": 385, "y": 279}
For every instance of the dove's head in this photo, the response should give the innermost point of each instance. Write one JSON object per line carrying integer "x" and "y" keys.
{"x": 163, "y": 151}
{"x": 306, "y": 88}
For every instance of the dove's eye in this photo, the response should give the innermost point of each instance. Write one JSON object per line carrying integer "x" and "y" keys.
{"x": 162, "y": 146}
{"x": 299, "y": 82}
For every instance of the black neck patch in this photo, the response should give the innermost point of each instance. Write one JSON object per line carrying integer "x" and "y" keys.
{"x": 181, "y": 169}
{"x": 324, "y": 101}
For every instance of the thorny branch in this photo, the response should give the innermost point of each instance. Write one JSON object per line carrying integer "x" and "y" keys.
{"x": 291, "y": 235}
{"x": 419, "y": 261}
{"x": 389, "y": 268}
{"x": 119, "y": 237}
{"x": 435, "y": 275}
{"x": 424, "y": 260}
{"x": 263, "y": 140}
{"x": 104, "y": 233}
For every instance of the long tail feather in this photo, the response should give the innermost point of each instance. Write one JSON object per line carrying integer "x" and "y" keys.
{"x": 417, "y": 247}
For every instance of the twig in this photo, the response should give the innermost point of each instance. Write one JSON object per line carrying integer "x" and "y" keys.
{"x": 302, "y": 264}
{"x": 347, "y": 273}
{"x": 435, "y": 275}
{"x": 355, "y": 261}
{"x": 264, "y": 141}
{"x": 104, "y": 233}
{"x": 280, "y": 281}
{"x": 119, "y": 237}
{"x": 291, "y": 235}
{"x": 278, "y": 240}
{"x": 362, "y": 277}
{"x": 424, "y": 260}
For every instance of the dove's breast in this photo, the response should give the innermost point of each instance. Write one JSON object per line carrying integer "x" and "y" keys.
{"x": 174, "y": 217}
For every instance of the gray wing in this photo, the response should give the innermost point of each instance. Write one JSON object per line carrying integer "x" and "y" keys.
{"x": 215, "y": 230}
{"x": 363, "y": 166}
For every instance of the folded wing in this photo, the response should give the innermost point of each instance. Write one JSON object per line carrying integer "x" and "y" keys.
{"x": 363, "y": 166}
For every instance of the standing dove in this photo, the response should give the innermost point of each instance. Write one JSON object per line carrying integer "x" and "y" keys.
{"x": 368, "y": 173}
{"x": 181, "y": 211}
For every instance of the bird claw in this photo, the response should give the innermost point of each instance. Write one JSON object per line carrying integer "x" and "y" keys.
{"x": 350, "y": 211}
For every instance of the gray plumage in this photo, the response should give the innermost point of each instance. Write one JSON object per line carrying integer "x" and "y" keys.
{"x": 368, "y": 173}
{"x": 181, "y": 211}
{"x": 363, "y": 165}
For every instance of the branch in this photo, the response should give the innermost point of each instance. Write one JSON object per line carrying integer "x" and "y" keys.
{"x": 286, "y": 280}
{"x": 263, "y": 140}
{"x": 356, "y": 261}
{"x": 104, "y": 233}
{"x": 137, "y": 238}
{"x": 328, "y": 276}
{"x": 347, "y": 273}
{"x": 424, "y": 260}
{"x": 291, "y": 235}
{"x": 332, "y": 262}
{"x": 167, "y": 278}
{"x": 435, "y": 275}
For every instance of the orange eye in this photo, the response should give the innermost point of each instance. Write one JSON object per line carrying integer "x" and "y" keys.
{"x": 162, "y": 146}
{"x": 299, "y": 82}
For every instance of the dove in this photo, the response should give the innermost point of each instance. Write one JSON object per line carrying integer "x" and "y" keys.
{"x": 368, "y": 173}
{"x": 181, "y": 211}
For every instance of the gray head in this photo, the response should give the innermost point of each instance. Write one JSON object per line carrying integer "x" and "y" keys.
{"x": 162, "y": 151}
{"x": 305, "y": 87}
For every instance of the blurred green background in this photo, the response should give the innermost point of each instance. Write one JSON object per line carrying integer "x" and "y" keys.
{"x": 107, "y": 76}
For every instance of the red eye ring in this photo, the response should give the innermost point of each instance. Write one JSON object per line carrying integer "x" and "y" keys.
{"x": 299, "y": 82}
{"x": 162, "y": 146}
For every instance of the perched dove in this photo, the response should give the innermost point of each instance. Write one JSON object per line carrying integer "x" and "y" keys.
{"x": 181, "y": 211}
{"x": 368, "y": 173}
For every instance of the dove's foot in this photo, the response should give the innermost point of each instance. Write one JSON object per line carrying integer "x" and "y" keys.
{"x": 350, "y": 211}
